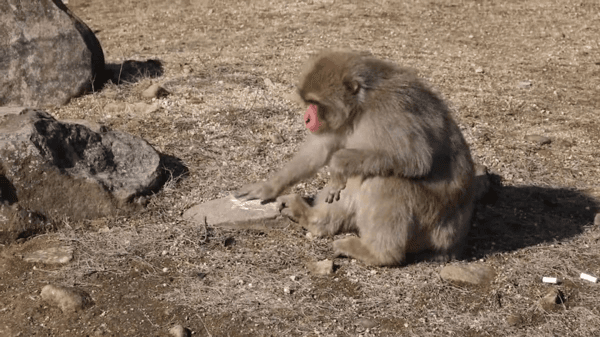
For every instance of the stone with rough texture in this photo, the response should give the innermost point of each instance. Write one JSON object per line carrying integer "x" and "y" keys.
{"x": 67, "y": 299}
{"x": 47, "y": 54}
{"x": 53, "y": 255}
{"x": 538, "y": 139}
{"x": 552, "y": 300}
{"x": 525, "y": 84}
{"x": 231, "y": 212}
{"x": 514, "y": 319}
{"x": 477, "y": 274}
{"x": 180, "y": 331}
{"x": 324, "y": 267}
{"x": 123, "y": 164}
{"x": 154, "y": 91}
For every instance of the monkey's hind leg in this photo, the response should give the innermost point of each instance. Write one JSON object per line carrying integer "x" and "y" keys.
{"x": 323, "y": 219}
{"x": 356, "y": 248}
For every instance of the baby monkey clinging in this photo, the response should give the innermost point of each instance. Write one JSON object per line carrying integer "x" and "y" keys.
{"x": 402, "y": 173}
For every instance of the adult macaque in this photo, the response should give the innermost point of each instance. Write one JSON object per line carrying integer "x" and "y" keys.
{"x": 402, "y": 173}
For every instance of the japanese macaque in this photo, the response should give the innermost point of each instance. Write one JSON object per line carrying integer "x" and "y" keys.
{"x": 402, "y": 173}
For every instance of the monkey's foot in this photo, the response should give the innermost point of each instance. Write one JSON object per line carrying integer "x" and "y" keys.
{"x": 354, "y": 247}
{"x": 351, "y": 247}
{"x": 292, "y": 206}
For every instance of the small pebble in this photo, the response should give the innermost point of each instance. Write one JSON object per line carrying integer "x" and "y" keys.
{"x": 268, "y": 82}
{"x": 525, "y": 84}
{"x": 276, "y": 138}
{"x": 180, "y": 331}
{"x": 165, "y": 269}
{"x": 551, "y": 297}
{"x": 324, "y": 267}
{"x": 367, "y": 323}
{"x": 538, "y": 139}
{"x": 479, "y": 70}
{"x": 154, "y": 91}
{"x": 286, "y": 290}
{"x": 67, "y": 299}
{"x": 597, "y": 219}
{"x": 514, "y": 320}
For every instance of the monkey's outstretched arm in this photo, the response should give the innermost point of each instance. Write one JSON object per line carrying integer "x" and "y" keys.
{"x": 314, "y": 154}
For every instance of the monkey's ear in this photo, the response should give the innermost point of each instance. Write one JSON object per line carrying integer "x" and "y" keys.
{"x": 352, "y": 85}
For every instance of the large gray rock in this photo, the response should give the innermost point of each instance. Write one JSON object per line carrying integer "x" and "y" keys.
{"x": 47, "y": 54}
{"x": 123, "y": 164}
{"x": 51, "y": 170}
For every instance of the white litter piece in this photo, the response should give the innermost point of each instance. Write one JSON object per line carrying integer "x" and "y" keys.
{"x": 589, "y": 277}
{"x": 552, "y": 280}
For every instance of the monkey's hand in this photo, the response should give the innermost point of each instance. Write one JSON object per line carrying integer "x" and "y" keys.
{"x": 336, "y": 185}
{"x": 263, "y": 190}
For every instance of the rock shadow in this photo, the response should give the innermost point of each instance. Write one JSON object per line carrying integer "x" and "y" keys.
{"x": 8, "y": 192}
{"x": 132, "y": 71}
{"x": 521, "y": 216}
{"x": 173, "y": 170}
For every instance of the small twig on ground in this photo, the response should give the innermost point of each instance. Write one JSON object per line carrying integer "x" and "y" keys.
{"x": 205, "y": 235}
{"x": 148, "y": 318}
{"x": 204, "y": 324}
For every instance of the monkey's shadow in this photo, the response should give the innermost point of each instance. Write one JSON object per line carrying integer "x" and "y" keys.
{"x": 518, "y": 217}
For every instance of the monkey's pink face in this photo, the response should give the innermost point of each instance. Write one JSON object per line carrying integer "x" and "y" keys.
{"x": 311, "y": 118}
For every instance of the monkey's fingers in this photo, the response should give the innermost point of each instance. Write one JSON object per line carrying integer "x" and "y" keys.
{"x": 332, "y": 196}
{"x": 244, "y": 195}
{"x": 261, "y": 190}
{"x": 248, "y": 192}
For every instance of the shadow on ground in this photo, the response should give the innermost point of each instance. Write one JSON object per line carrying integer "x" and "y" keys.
{"x": 173, "y": 168}
{"x": 524, "y": 216}
{"x": 132, "y": 71}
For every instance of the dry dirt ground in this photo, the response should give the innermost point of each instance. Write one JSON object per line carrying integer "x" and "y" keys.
{"x": 510, "y": 68}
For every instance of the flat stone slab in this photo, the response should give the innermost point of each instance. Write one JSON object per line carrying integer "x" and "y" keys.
{"x": 233, "y": 213}
{"x": 11, "y": 110}
{"x": 476, "y": 274}
{"x": 53, "y": 255}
